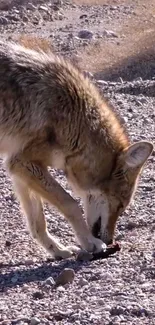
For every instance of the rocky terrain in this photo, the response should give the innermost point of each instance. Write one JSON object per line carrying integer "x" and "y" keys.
{"x": 113, "y": 42}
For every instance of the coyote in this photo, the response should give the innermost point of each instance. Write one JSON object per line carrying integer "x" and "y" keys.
{"x": 53, "y": 116}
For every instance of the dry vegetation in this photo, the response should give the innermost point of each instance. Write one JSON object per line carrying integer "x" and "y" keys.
{"x": 36, "y": 43}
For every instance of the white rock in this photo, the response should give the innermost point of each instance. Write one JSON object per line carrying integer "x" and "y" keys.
{"x": 102, "y": 82}
{"x": 50, "y": 281}
{"x": 44, "y": 8}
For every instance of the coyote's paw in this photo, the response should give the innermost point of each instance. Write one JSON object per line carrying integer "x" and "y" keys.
{"x": 66, "y": 252}
{"x": 94, "y": 245}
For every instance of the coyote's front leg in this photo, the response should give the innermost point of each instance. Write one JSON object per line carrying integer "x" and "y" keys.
{"x": 30, "y": 177}
{"x": 33, "y": 210}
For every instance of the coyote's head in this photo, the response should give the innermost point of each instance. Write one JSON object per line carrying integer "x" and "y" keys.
{"x": 104, "y": 204}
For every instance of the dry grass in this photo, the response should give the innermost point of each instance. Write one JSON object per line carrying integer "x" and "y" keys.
{"x": 35, "y": 43}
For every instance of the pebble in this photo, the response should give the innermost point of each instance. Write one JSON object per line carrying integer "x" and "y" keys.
{"x": 109, "y": 33}
{"x": 100, "y": 301}
{"x": 85, "y": 34}
{"x": 83, "y": 16}
{"x": 123, "y": 119}
{"x": 30, "y": 6}
{"x": 102, "y": 82}
{"x": 82, "y": 282}
{"x": 131, "y": 225}
{"x": 29, "y": 262}
{"x": 44, "y": 8}
{"x": 25, "y": 19}
{"x": 117, "y": 310}
{"x": 14, "y": 279}
{"x": 133, "y": 233}
{"x": 34, "y": 321}
{"x": 12, "y": 18}
{"x": 55, "y": 8}
{"x": 38, "y": 295}
{"x": 8, "y": 243}
{"x": 58, "y": 2}
{"x": 66, "y": 276}
{"x": 3, "y": 20}
{"x": 49, "y": 281}
{"x": 61, "y": 289}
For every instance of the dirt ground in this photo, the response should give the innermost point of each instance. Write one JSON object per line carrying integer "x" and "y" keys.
{"x": 119, "y": 50}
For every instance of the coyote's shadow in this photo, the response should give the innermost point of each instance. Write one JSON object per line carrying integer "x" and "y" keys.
{"x": 48, "y": 268}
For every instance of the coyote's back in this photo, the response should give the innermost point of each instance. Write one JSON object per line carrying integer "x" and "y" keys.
{"x": 51, "y": 115}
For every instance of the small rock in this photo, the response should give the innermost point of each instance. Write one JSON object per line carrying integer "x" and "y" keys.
{"x": 34, "y": 321}
{"x": 60, "y": 16}
{"x": 14, "y": 279}
{"x": 43, "y": 8}
{"x": 117, "y": 310}
{"x": 153, "y": 254}
{"x": 109, "y": 33}
{"x": 12, "y": 18}
{"x": 61, "y": 289}
{"x": 29, "y": 262}
{"x": 113, "y": 8}
{"x": 66, "y": 276}
{"x": 21, "y": 321}
{"x": 25, "y": 19}
{"x": 3, "y": 20}
{"x": 8, "y": 243}
{"x": 55, "y": 8}
{"x": 124, "y": 119}
{"x": 30, "y": 6}
{"x": 131, "y": 225}
{"x": 85, "y": 34}
{"x": 100, "y": 301}
{"x": 141, "y": 278}
{"x": 50, "y": 281}
{"x": 82, "y": 282}
{"x": 102, "y": 82}
{"x": 58, "y": 2}
{"x": 83, "y": 16}
{"x": 133, "y": 233}
{"x": 36, "y": 20}
{"x": 60, "y": 315}
{"x": 38, "y": 295}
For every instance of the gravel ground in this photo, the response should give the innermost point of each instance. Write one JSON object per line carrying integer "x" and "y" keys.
{"x": 117, "y": 290}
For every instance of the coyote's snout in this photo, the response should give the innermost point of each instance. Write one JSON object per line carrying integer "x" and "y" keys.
{"x": 51, "y": 115}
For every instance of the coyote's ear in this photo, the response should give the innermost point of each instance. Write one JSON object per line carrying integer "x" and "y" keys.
{"x": 137, "y": 154}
